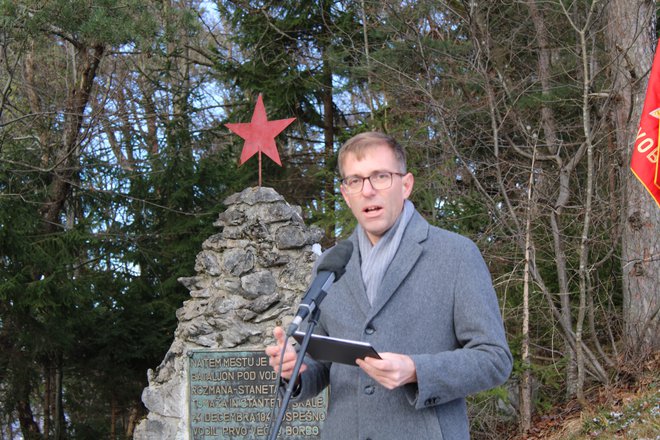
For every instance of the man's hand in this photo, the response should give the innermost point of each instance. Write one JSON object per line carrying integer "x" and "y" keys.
{"x": 392, "y": 371}
{"x": 274, "y": 351}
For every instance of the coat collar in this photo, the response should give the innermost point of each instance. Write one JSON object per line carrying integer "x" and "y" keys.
{"x": 404, "y": 260}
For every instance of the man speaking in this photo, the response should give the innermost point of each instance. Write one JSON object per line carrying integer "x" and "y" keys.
{"x": 422, "y": 296}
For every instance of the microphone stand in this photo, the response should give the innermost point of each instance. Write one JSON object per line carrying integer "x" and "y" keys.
{"x": 313, "y": 320}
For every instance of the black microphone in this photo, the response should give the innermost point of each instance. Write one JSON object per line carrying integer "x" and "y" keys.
{"x": 330, "y": 270}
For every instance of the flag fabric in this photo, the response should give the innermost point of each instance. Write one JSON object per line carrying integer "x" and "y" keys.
{"x": 644, "y": 161}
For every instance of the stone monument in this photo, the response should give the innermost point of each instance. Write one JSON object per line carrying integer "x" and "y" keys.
{"x": 250, "y": 276}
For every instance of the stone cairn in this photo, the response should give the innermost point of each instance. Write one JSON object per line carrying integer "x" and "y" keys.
{"x": 249, "y": 278}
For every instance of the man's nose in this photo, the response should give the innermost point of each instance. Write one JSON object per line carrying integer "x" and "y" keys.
{"x": 367, "y": 188}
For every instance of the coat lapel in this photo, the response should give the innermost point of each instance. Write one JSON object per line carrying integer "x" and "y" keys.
{"x": 404, "y": 260}
{"x": 353, "y": 278}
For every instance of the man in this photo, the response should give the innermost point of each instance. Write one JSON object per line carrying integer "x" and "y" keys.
{"x": 422, "y": 296}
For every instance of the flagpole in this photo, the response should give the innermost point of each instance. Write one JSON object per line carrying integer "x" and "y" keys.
{"x": 656, "y": 177}
{"x": 259, "y": 167}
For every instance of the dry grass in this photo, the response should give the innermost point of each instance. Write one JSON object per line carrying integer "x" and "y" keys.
{"x": 624, "y": 412}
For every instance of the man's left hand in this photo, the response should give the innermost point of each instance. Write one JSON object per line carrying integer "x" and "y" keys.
{"x": 392, "y": 371}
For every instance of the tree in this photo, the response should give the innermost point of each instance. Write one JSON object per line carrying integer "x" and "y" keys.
{"x": 43, "y": 292}
{"x": 631, "y": 42}
{"x": 475, "y": 88}
{"x": 114, "y": 214}
{"x": 290, "y": 52}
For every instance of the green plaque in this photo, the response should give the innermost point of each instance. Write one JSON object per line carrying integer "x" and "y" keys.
{"x": 231, "y": 396}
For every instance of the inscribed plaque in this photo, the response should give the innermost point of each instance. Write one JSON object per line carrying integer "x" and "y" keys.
{"x": 231, "y": 394}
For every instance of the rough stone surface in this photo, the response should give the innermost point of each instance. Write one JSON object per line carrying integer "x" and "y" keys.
{"x": 214, "y": 243}
{"x": 195, "y": 283}
{"x": 254, "y": 195}
{"x": 208, "y": 262}
{"x": 249, "y": 276}
{"x": 259, "y": 283}
{"x": 238, "y": 261}
{"x": 157, "y": 428}
{"x": 271, "y": 257}
{"x": 291, "y": 237}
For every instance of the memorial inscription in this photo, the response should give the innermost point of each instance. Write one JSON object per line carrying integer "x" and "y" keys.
{"x": 231, "y": 394}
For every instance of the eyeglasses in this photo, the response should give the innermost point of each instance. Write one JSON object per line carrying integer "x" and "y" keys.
{"x": 379, "y": 180}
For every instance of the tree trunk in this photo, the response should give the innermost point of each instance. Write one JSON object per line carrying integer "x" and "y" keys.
{"x": 526, "y": 377}
{"x": 65, "y": 161}
{"x": 134, "y": 416}
{"x": 29, "y": 428}
{"x": 60, "y": 423}
{"x": 48, "y": 394}
{"x": 632, "y": 41}
{"x": 328, "y": 126}
{"x": 114, "y": 410}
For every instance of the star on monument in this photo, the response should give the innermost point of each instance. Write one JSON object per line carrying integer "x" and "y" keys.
{"x": 259, "y": 134}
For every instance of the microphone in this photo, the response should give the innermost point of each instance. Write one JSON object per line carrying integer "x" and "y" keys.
{"x": 330, "y": 270}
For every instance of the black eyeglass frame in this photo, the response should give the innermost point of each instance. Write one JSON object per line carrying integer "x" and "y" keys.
{"x": 355, "y": 190}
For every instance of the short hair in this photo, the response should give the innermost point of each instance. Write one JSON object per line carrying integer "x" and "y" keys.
{"x": 361, "y": 142}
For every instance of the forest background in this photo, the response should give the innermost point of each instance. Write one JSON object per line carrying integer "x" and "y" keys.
{"x": 518, "y": 116}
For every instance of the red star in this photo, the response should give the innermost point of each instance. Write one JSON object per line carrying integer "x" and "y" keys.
{"x": 259, "y": 134}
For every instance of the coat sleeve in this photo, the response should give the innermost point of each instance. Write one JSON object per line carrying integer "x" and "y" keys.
{"x": 313, "y": 380}
{"x": 317, "y": 376}
{"x": 482, "y": 359}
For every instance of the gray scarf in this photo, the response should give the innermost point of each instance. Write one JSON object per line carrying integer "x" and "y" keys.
{"x": 376, "y": 259}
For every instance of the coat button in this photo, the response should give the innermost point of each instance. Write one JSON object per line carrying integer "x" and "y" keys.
{"x": 369, "y": 389}
{"x": 369, "y": 330}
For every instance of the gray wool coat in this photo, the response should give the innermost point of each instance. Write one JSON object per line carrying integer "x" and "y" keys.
{"x": 437, "y": 305}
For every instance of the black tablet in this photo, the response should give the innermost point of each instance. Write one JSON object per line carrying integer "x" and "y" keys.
{"x": 344, "y": 351}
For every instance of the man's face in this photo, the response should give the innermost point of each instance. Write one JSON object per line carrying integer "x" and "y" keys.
{"x": 376, "y": 210}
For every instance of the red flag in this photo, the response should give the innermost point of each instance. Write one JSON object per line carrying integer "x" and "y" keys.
{"x": 644, "y": 162}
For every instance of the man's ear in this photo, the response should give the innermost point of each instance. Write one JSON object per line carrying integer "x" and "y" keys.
{"x": 408, "y": 182}
{"x": 344, "y": 195}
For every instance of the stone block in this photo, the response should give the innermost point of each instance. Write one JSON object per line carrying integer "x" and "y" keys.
{"x": 165, "y": 399}
{"x": 290, "y": 237}
{"x": 238, "y": 261}
{"x": 254, "y": 195}
{"x": 156, "y": 428}
{"x": 214, "y": 243}
{"x": 195, "y": 283}
{"x": 258, "y": 283}
{"x": 232, "y": 217}
{"x": 208, "y": 262}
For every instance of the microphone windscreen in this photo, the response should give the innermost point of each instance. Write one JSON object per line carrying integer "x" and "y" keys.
{"x": 337, "y": 259}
